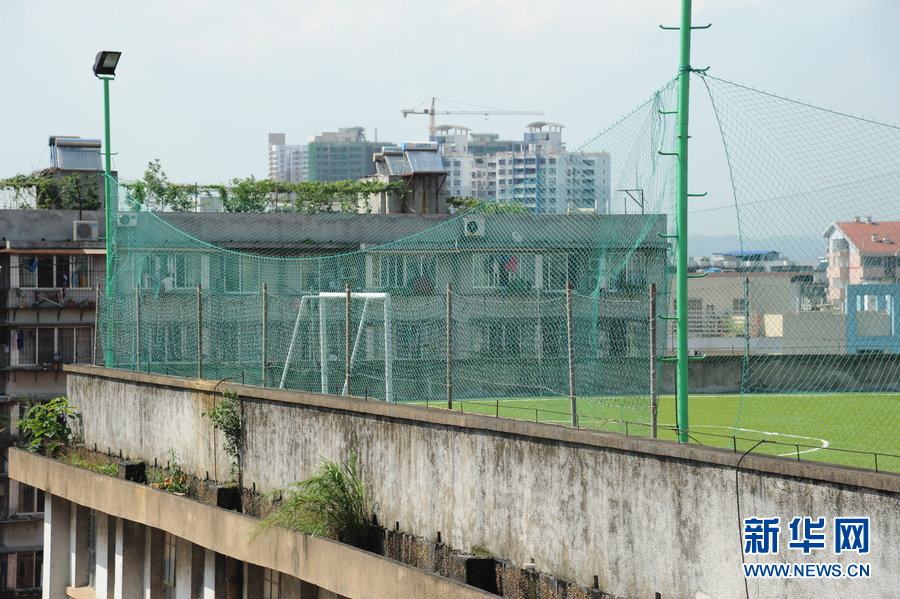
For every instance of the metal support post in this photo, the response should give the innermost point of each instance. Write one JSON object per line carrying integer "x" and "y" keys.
{"x": 347, "y": 350}
{"x": 571, "y": 353}
{"x": 199, "y": 332}
{"x": 654, "y": 397}
{"x": 265, "y": 334}
{"x": 681, "y": 221}
{"x": 110, "y": 230}
{"x": 449, "y": 375}
{"x": 137, "y": 327}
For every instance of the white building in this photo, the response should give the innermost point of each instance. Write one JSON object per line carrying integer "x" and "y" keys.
{"x": 288, "y": 163}
{"x": 536, "y": 171}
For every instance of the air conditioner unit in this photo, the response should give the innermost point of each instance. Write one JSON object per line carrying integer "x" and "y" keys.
{"x": 127, "y": 220}
{"x": 473, "y": 226}
{"x": 85, "y": 230}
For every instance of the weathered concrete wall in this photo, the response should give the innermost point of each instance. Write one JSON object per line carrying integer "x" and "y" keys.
{"x": 339, "y": 568}
{"x": 644, "y": 516}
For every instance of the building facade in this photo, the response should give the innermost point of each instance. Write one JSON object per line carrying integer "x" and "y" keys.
{"x": 287, "y": 163}
{"x": 536, "y": 172}
{"x": 51, "y": 266}
{"x": 342, "y": 155}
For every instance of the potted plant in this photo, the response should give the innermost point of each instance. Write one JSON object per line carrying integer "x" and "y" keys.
{"x": 20, "y": 295}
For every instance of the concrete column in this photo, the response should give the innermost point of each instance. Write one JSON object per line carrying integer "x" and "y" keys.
{"x": 307, "y": 590}
{"x": 129, "y": 559}
{"x": 153, "y": 555}
{"x": 198, "y": 570}
{"x": 78, "y": 545}
{"x": 183, "y": 563}
{"x": 209, "y": 574}
{"x": 103, "y": 574}
{"x": 57, "y": 528}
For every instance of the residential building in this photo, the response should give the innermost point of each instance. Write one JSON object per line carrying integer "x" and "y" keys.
{"x": 864, "y": 282}
{"x": 51, "y": 264}
{"x": 536, "y": 172}
{"x": 342, "y": 155}
{"x": 864, "y": 251}
{"x": 287, "y": 163}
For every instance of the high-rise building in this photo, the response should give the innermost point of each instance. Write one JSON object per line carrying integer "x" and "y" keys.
{"x": 288, "y": 163}
{"x": 341, "y": 155}
{"x": 536, "y": 171}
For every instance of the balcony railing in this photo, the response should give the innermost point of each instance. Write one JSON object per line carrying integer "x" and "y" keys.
{"x": 50, "y": 297}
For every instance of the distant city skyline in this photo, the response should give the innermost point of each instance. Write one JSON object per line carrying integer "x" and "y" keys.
{"x": 200, "y": 90}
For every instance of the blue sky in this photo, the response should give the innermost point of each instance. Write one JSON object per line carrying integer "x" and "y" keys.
{"x": 201, "y": 83}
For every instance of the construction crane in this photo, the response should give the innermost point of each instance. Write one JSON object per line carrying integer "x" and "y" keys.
{"x": 431, "y": 112}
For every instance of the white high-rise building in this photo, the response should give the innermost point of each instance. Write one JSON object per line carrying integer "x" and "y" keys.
{"x": 537, "y": 171}
{"x": 288, "y": 163}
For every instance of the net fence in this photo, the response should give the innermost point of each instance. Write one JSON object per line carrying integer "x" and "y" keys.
{"x": 800, "y": 336}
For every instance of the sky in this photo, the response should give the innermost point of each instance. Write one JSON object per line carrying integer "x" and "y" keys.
{"x": 201, "y": 83}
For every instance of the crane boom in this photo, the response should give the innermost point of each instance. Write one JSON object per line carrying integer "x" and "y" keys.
{"x": 431, "y": 112}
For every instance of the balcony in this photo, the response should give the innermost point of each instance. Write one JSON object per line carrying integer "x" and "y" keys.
{"x": 56, "y": 298}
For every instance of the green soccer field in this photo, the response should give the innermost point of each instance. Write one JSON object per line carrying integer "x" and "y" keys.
{"x": 808, "y": 426}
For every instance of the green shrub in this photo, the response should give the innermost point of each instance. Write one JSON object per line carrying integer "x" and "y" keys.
{"x": 46, "y": 425}
{"x": 333, "y": 503}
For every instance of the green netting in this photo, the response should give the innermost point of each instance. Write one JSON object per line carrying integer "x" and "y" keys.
{"x": 261, "y": 298}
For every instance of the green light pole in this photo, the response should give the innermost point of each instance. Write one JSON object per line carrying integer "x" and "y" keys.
{"x": 105, "y": 68}
{"x": 681, "y": 220}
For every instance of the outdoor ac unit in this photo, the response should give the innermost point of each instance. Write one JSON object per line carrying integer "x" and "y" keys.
{"x": 473, "y": 226}
{"x": 127, "y": 220}
{"x": 85, "y": 230}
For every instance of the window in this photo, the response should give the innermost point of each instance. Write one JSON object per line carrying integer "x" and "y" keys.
{"x": 241, "y": 274}
{"x": 271, "y": 584}
{"x": 31, "y": 500}
{"x": 503, "y": 270}
{"x": 404, "y": 271}
{"x": 168, "y": 566}
{"x": 50, "y": 272}
{"x": 45, "y": 345}
{"x": 510, "y": 339}
{"x": 738, "y": 305}
{"x": 555, "y": 271}
{"x": 27, "y": 565}
{"x": 420, "y": 340}
{"x": 554, "y": 338}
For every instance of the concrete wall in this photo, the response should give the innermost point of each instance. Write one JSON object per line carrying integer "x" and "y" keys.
{"x": 643, "y": 516}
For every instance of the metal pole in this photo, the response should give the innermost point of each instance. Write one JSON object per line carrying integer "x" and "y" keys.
{"x": 388, "y": 351}
{"x": 449, "y": 346}
{"x": 571, "y": 343}
{"x": 96, "y": 320}
{"x": 323, "y": 348}
{"x": 359, "y": 332}
{"x": 265, "y": 318}
{"x": 654, "y": 398}
{"x": 347, "y": 341}
{"x": 681, "y": 221}
{"x": 137, "y": 326}
{"x": 108, "y": 212}
{"x": 199, "y": 332}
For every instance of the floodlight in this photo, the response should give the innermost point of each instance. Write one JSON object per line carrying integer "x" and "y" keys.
{"x": 105, "y": 63}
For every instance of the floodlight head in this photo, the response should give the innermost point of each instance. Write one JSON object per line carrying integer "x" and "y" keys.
{"x": 105, "y": 63}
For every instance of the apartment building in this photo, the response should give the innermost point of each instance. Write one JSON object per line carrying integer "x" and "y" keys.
{"x": 536, "y": 172}
{"x": 287, "y": 163}
{"x": 51, "y": 265}
{"x": 341, "y": 155}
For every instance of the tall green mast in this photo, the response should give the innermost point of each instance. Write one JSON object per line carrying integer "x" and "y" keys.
{"x": 681, "y": 221}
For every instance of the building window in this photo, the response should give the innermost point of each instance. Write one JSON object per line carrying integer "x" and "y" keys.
{"x": 420, "y": 340}
{"x": 554, "y": 338}
{"x": 416, "y": 272}
{"x": 242, "y": 274}
{"x": 503, "y": 270}
{"x": 168, "y": 566}
{"x": 31, "y": 500}
{"x": 555, "y": 271}
{"x": 271, "y": 584}
{"x": 53, "y": 272}
{"x": 509, "y": 339}
{"x": 52, "y": 345}
{"x": 23, "y": 570}
{"x": 738, "y": 305}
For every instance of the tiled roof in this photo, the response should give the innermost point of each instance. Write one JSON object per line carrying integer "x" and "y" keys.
{"x": 861, "y": 234}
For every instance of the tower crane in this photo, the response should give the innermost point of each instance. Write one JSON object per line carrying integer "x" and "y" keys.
{"x": 431, "y": 112}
